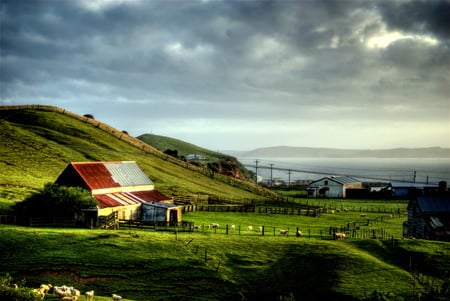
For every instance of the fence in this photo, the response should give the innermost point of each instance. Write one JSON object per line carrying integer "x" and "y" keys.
{"x": 157, "y": 226}
{"x": 8, "y": 219}
{"x": 110, "y": 221}
{"x": 51, "y": 222}
{"x": 306, "y": 211}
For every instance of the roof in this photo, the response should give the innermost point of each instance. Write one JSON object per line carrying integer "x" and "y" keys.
{"x": 161, "y": 205}
{"x": 129, "y": 198}
{"x": 412, "y": 185}
{"x": 98, "y": 175}
{"x": 339, "y": 179}
{"x": 434, "y": 203}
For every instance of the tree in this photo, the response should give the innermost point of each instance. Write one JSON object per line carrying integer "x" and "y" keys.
{"x": 54, "y": 200}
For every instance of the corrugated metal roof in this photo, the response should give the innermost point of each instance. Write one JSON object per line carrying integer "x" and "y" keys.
{"x": 434, "y": 203}
{"x": 338, "y": 179}
{"x": 412, "y": 185}
{"x": 345, "y": 180}
{"x": 98, "y": 175}
{"x": 127, "y": 174}
{"x": 160, "y": 205}
{"x": 129, "y": 198}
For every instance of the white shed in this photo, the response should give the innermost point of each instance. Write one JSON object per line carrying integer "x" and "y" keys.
{"x": 332, "y": 187}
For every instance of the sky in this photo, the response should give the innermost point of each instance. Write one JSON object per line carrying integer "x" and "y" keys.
{"x": 238, "y": 75}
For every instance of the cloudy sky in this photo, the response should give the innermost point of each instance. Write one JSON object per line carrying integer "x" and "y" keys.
{"x": 237, "y": 75}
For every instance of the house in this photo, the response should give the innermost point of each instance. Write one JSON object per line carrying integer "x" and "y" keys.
{"x": 119, "y": 186}
{"x": 428, "y": 217}
{"x": 333, "y": 187}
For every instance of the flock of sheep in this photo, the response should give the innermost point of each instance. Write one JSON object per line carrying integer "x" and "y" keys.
{"x": 66, "y": 293}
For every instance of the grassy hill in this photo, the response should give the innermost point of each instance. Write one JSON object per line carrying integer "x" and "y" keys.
{"x": 39, "y": 142}
{"x": 211, "y": 160}
{"x": 184, "y": 148}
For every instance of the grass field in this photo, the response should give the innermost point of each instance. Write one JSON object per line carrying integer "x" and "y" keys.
{"x": 211, "y": 265}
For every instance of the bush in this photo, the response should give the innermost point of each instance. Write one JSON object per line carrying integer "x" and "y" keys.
{"x": 55, "y": 201}
{"x": 10, "y": 291}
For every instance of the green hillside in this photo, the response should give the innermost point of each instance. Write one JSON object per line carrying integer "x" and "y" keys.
{"x": 38, "y": 143}
{"x": 184, "y": 148}
{"x": 205, "y": 158}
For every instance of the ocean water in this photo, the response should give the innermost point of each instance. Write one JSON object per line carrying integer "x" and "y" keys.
{"x": 425, "y": 170}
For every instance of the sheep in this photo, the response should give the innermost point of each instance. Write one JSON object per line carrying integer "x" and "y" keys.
{"x": 45, "y": 287}
{"x": 338, "y": 210}
{"x": 116, "y": 297}
{"x": 363, "y": 215}
{"x": 284, "y": 232}
{"x": 213, "y": 226}
{"x": 260, "y": 229}
{"x": 38, "y": 292}
{"x": 63, "y": 291}
{"x": 75, "y": 292}
{"x": 249, "y": 228}
{"x": 233, "y": 227}
{"x": 345, "y": 209}
{"x": 89, "y": 295}
{"x": 299, "y": 233}
{"x": 197, "y": 227}
{"x": 339, "y": 236}
{"x": 69, "y": 298}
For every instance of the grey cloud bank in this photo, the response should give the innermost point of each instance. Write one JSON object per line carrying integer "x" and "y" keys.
{"x": 238, "y": 74}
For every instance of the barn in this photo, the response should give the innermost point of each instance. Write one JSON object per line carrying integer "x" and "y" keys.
{"x": 333, "y": 187}
{"x": 428, "y": 217}
{"x": 119, "y": 187}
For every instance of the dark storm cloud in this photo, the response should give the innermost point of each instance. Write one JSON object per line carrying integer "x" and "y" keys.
{"x": 418, "y": 16}
{"x": 194, "y": 62}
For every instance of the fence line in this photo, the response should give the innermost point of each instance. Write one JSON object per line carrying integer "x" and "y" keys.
{"x": 254, "y": 209}
{"x": 51, "y": 222}
{"x": 8, "y": 219}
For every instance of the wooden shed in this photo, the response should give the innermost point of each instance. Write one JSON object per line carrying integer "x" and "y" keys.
{"x": 119, "y": 186}
{"x": 428, "y": 217}
{"x": 332, "y": 187}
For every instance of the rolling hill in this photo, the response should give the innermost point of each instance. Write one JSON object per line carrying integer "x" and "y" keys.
{"x": 202, "y": 157}
{"x": 39, "y": 141}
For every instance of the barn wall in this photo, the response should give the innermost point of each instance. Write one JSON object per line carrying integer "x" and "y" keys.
{"x": 130, "y": 212}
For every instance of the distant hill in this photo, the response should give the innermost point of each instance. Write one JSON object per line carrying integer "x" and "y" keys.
{"x": 37, "y": 143}
{"x": 202, "y": 157}
{"x": 290, "y": 151}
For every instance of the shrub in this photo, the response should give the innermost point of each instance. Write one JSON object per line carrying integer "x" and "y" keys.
{"x": 54, "y": 200}
{"x": 10, "y": 291}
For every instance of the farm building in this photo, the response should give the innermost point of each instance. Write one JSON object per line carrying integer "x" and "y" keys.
{"x": 428, "y": 217}
{"x": 407, "y": 189}
{"x": 156, "y": 212}
{"x": 120, "y": 187}
{"x": 333, "y": 187}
